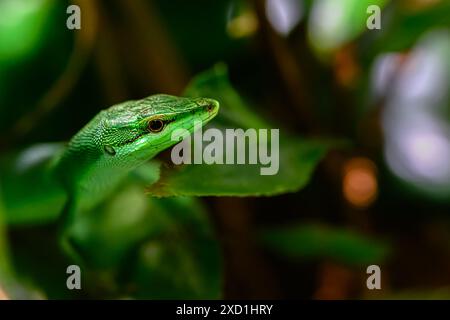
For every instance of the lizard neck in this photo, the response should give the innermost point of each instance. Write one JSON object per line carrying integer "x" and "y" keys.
{"x": 86, "y": 171}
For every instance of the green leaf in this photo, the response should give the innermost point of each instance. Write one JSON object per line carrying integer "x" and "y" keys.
{"x": 403, "y": 32}
{"x": 30, "y": 194}
{"x": 297, "y": 161}
{"x": 214, "y": 83}
{"x": 320, "y": 242}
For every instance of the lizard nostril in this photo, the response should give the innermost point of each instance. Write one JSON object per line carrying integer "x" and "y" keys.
{"x": 110, "y": 150}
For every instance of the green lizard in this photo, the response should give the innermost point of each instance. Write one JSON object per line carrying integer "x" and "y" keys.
{"x": 118, "y": 140}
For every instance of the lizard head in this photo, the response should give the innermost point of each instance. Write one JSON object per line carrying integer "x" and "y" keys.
{"x": 134, "y": 131}
{"x": 121, "y": 138}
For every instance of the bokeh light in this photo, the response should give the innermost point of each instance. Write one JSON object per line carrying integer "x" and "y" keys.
{"x": 3, "y": 295}
{"x": 417, "y": 147}
{"x": 327, "y": 28}
{"x": 383, "y": 73}
{"x": 360, "y": 185}
{"x": 284, "y": 15}
{"x": 241, "y": 20}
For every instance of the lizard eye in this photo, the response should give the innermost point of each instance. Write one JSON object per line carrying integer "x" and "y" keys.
{"x": 155, "y": 125}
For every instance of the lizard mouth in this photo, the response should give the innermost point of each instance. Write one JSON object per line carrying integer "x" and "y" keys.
{"x": 132, "y": 140}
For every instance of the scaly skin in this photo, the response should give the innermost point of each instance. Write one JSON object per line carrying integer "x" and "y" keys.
{"x": 118, "y": 140}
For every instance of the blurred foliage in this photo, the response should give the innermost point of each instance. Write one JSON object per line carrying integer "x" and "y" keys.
{"x": 319, "y": 242}
{"x": 233, "y": 110}
{"x": 185, "y": 260}
{"x": 410, "y": 25}
{"x": 28, "y": 35}
{"x": 25, "y": 21}
{"x": 31, "y": 195}
{"x": 438, "y": 294}
{"x": 333, "y": 24}
{"x": 4, "y": 267}
{"x": 152, "y": 249}
{"x": 297, "y": 158}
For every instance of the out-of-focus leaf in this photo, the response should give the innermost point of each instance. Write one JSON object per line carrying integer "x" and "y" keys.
{"x": 30, "y": 194}
{"x": 115, "y": 227}
{"x": 319, "y": 242}
{"x": 29, "y": 59}
{"x": 297, "y": 161}
{"x": 214, "y": 83}
{"x": 402, "y": 32}
{"x": 149, "y": 248}
{"x": 23, "y": 27}
{"x": 425, "y": 294}
{"x": 334, "y": 23}
{"x": 148, "y": 173}
{"x": 183, "y": 259}
{"x": 18, "y": 268}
